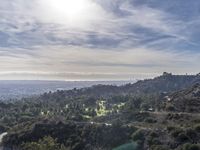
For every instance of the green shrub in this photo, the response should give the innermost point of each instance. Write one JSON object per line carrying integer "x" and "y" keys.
{"x": 191, "y": 133}
{"x": 47, "y": 143}
{"x": 158, "y": 147}
{"x": 189, "y": 146}
{"x": 176, "y": 132}
{"x": 150, "y": 120}
{"x": 153, "y": 134}
{"x": 197, "y": 128}
{"x": 171, "y": 128}
{"x": 182, "y": 137}
{"x": 138, "y": 135}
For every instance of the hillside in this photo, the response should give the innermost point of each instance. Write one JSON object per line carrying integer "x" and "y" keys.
{"x": 164, "y": 83}
{"x": 155, "y": 114}
{"x": 187, "y": 100}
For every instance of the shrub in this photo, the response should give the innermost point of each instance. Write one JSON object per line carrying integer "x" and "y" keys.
{"x": 176, "y": 132}
{"x": 150, "y": 120}
{"x": 47, "y": 143}
{"x": 170, "y": 128}
{"x": 182, "y": 137}
{"x": 197, "y": 128}
{"x": 138, "y": 135}
{"x": 189, "y": 146}
{"x": 191, "y": 133}
{"x": 158, "y": 147}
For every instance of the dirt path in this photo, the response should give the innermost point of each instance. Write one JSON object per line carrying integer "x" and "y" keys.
{"x": 2, "y": 135}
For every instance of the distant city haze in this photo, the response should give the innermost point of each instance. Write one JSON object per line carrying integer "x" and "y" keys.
{"x": 19, "y": 89}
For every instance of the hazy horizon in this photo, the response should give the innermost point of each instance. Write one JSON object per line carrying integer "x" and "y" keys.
{"x": 75, "y": 77}
{"x": 17, "y": 89}
{"x": 134, "y": 78}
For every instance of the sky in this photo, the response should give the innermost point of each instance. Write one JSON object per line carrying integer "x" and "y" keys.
{"x": 98, "y": 39}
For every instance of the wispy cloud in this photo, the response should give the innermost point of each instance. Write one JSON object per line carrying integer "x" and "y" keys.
{"x": 127, "y": 36}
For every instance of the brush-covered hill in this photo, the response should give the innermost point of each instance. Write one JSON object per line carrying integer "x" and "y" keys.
{"x": 187, "y": 100}
{"x": 89, "y": 118}
{"x": 164, "y": 83}
{"x": 152, "y": 130}
{"x": 86, "y": 103}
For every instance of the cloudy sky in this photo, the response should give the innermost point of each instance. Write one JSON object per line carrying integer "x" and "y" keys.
{"x": 98, "y": 39}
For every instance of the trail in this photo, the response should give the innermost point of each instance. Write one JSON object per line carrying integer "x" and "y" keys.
{"x": 2, "y": 135}
{"x": 1, "y": 138}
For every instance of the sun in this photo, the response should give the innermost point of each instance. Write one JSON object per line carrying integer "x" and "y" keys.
{"x": 70, "y": 14}
{"x": 71, "y": 9}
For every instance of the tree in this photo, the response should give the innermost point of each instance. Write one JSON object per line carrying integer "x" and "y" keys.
{"x": 47, "y": 143}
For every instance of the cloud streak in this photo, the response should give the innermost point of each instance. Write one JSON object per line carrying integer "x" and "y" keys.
{"x": 127, "y": 36}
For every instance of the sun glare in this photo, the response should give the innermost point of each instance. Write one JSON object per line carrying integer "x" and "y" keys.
{"x": 72, "y": 9}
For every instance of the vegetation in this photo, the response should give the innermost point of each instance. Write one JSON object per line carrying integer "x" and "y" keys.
{"x": 155, "y": 114}
{"x": 47, "y": 143}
